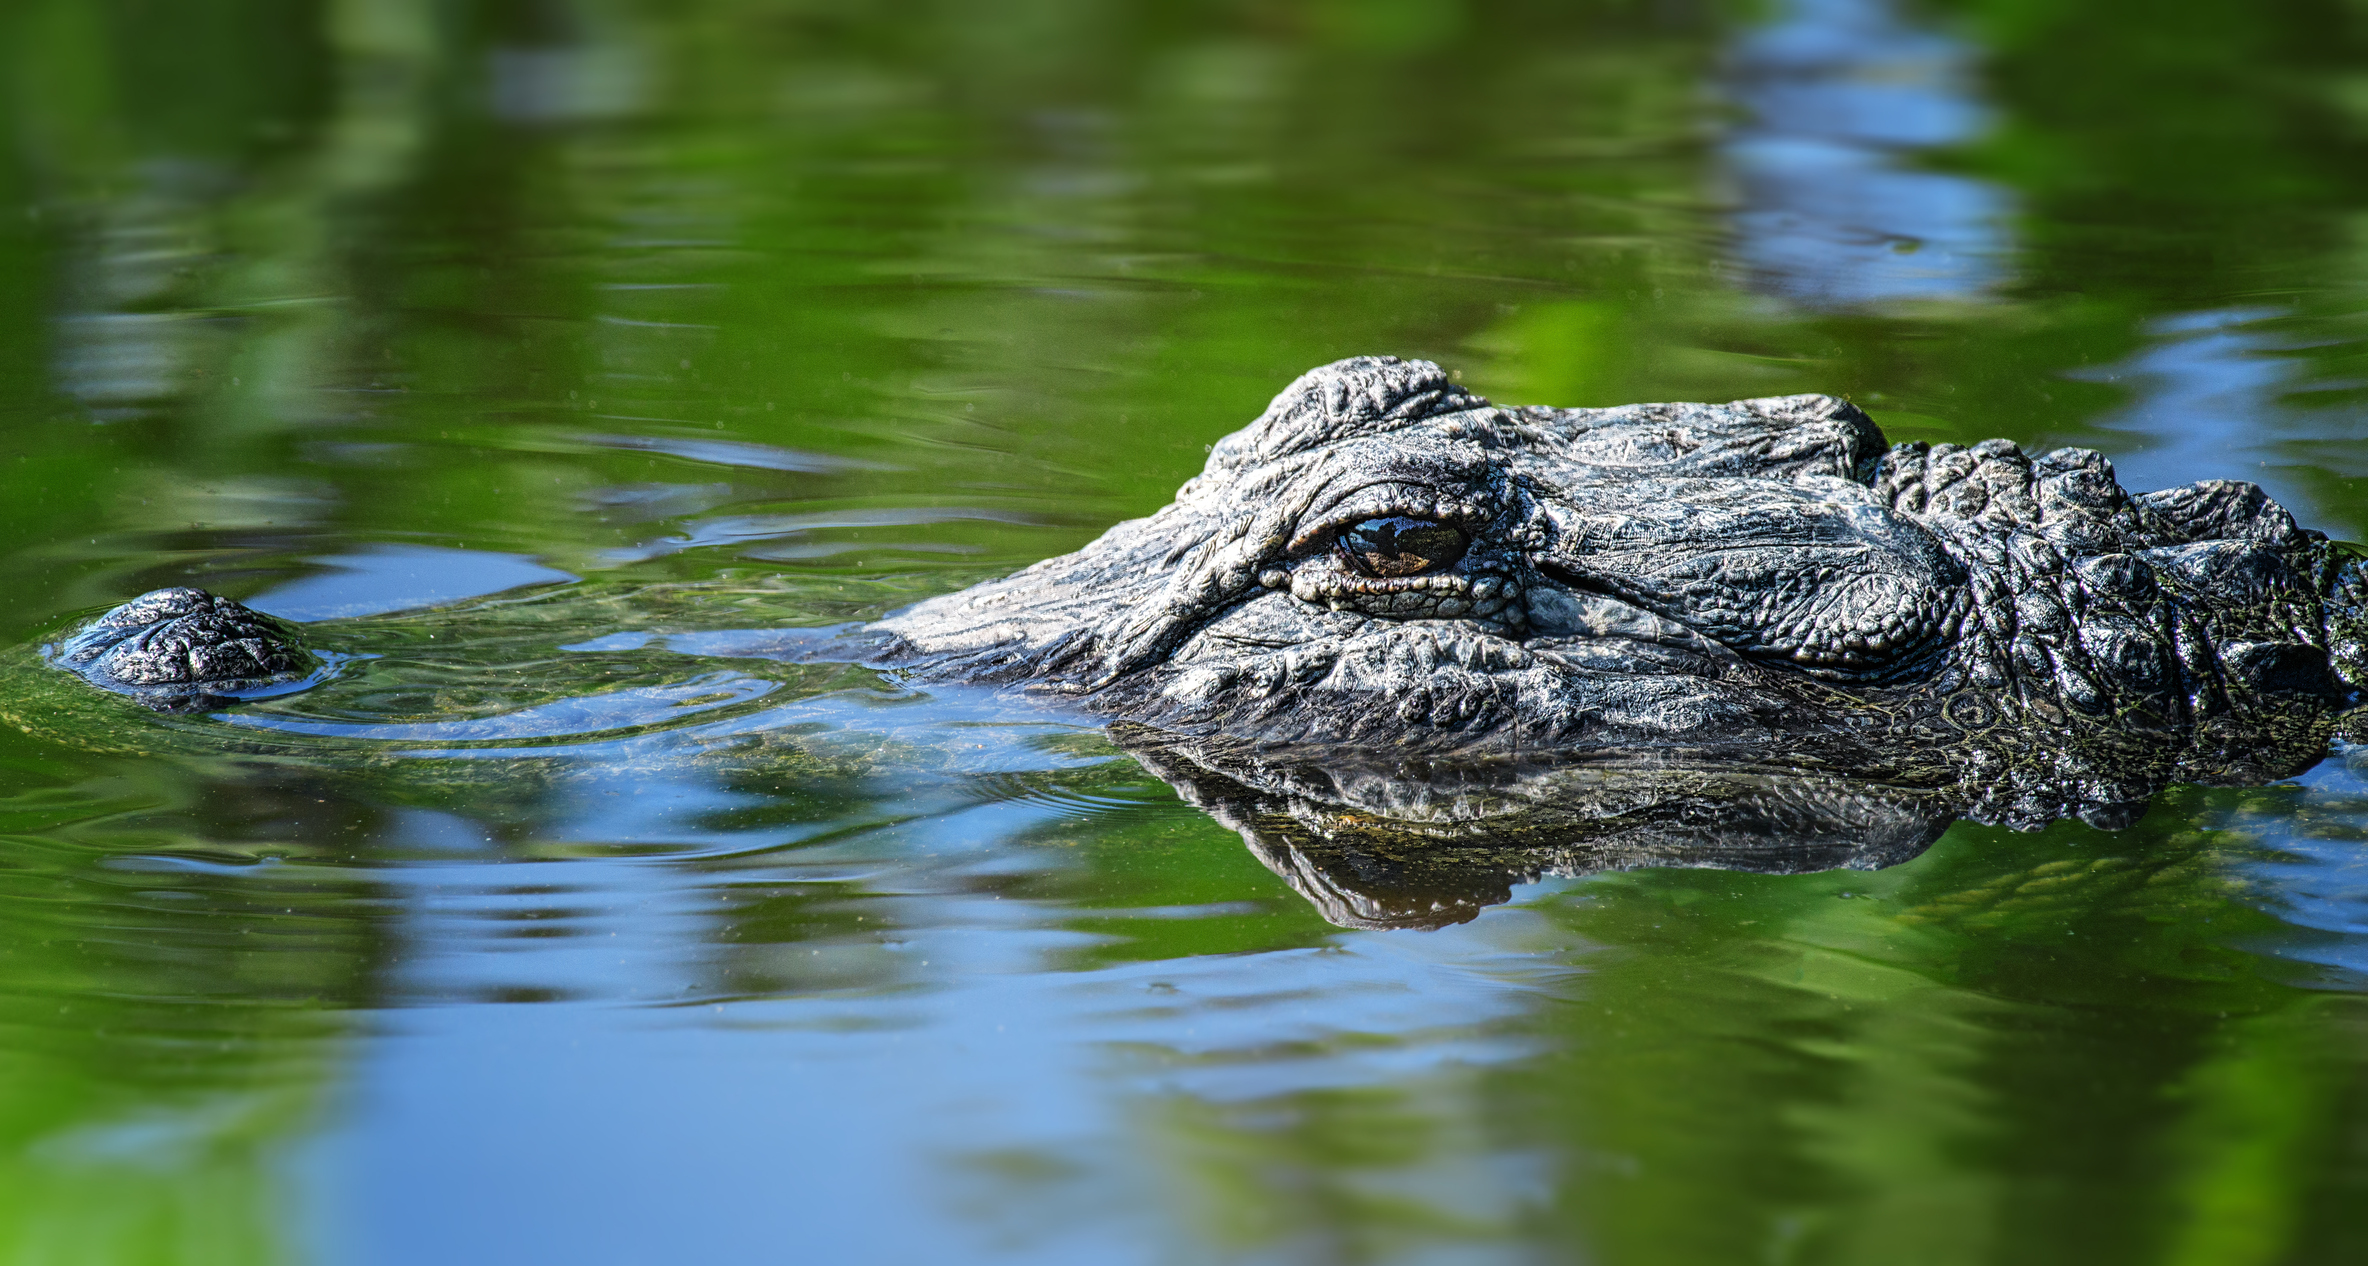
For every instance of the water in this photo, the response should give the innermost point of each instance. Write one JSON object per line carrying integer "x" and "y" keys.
{"x": 563, "y": 348}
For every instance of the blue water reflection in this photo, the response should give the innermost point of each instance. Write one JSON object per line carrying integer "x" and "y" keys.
{"x": 2223, "y": 394}
{"x": 568, "y": 926}
{"x": 1840, "y": 98}
{"x": 2315, "y": 877}
{"x": 923, "y": 1034}
{"x": 374, "y": 579}
{"x": 2206, "y": 404}
{"x": 922, "y": 1039}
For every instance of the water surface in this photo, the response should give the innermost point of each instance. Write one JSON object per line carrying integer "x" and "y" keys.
{"x": 534, "y": 349}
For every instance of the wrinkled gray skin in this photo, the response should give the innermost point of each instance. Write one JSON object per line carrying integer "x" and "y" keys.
{"x": 186, "y": 650}
{"x": 1787, "y": 622}
{"x": 1745, "y": 581}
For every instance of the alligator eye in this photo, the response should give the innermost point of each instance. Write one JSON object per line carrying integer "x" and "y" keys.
{"x": 1401, "y": 546}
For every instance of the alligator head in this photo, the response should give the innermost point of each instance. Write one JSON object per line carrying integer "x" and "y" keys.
{"x": 1384, "y": 560}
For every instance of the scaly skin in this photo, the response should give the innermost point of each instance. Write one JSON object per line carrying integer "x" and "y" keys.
{"x": 1745, "y": 580}
{"x": 184, "y": 650}
{"x": 1385, "y": 563}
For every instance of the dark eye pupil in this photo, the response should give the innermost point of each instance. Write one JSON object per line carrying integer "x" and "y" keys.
{"x": 1401, "y": 546}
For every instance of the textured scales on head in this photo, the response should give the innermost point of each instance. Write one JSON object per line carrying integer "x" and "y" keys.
{"x": 1087, "y": 619}
{"x": 181, "y": 649}
{"x": 2200, "y": 617}
{"x": 1765, "y": 572}
{"x": 1364, "y": 395}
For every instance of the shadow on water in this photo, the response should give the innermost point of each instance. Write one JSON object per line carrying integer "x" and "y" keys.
{"x": 548, "y": 931}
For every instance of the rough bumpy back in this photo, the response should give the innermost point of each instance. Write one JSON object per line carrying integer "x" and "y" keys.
{"x": 2199, "y": 619}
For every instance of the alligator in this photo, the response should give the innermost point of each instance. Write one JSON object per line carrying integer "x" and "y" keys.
{"x": 1384, "y": 568}
{"x": 1376, "y": 841}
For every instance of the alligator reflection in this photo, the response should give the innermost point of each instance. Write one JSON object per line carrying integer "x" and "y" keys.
{"x": 1432, "y": 843}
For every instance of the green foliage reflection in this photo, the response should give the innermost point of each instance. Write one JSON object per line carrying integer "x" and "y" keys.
{"x": 760, "y": 312}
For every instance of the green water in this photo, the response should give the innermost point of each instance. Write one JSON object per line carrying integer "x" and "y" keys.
{"x": 503, "y": 333}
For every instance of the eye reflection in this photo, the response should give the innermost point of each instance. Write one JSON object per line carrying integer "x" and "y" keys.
{"x": 1399, "y": 546}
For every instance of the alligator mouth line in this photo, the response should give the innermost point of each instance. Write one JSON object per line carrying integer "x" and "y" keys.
{"x": 1577, "y": 581}
{"x": 1696, "y": 653}
{"x": 1665, "y": 631}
